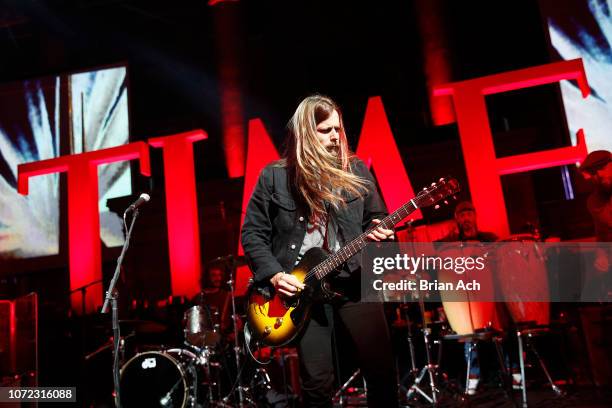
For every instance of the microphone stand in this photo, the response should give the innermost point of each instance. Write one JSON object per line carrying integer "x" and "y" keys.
{"x": 112, "y": 297}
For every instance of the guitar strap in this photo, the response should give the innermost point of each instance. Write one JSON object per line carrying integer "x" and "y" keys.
{"x": 330, "y": 241}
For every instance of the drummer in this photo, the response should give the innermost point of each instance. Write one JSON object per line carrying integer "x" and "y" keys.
{"x": 215, "y": 296}
{"x": 467, "y": 226}
{"x": 467, "y": 230}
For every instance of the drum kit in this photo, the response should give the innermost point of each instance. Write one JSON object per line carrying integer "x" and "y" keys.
{"x": 208, "y": 370}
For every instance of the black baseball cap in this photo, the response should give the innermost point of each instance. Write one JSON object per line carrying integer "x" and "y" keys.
{"x": 595, "y": 161}
{"x": 464, "y": 206}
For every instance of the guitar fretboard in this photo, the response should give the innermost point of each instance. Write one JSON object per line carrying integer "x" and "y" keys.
{"x": 357, "y": 244}
{"x": 427, "y": 197}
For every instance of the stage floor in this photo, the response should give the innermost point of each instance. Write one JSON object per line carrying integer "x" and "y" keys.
{"x": 581, "y": 397}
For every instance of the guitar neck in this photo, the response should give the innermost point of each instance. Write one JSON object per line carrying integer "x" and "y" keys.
{"x": 357, "y": 244}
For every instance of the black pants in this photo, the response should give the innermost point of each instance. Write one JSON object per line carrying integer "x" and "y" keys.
{"x": 368, "y": 329}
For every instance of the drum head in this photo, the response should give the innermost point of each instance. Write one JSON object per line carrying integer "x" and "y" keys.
{"x": 153, "y": 379}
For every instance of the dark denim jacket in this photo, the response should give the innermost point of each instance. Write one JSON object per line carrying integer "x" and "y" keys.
{"x": 275, "y": 225}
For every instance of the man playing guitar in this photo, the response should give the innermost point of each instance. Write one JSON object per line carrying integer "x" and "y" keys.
{"x": 321, "y": 195}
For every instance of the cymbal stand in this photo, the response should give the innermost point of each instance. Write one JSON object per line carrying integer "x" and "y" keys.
{"x": 339, "y": 394}
{"x": 406, "y": 315}
{"x": 429, "y": 369}
{"x": 230, "y": 282}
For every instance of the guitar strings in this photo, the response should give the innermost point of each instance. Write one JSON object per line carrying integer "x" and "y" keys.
{"x": 329, "y": 264}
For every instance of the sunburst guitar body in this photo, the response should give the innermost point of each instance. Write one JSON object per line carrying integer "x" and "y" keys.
{"x": 276, "y": 320}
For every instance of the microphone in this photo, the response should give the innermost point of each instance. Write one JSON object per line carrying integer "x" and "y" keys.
{"x": 144, "y": 197}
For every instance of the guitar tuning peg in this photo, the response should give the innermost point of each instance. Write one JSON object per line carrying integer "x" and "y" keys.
{"x": 446, "y": 202}
{"x": 437, "y": 207}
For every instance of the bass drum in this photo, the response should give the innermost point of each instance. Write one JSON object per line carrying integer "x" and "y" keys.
{"x": 523, "y": 277}
{"x": 160, "y": 379}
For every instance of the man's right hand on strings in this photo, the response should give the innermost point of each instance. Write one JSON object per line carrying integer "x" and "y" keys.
{"x": 286, "y": 284}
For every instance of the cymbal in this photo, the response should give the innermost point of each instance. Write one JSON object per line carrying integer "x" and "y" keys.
{"x": 229, "y": 260}
{"x": 135, "y": 325}
{"x": 142, "y": 326}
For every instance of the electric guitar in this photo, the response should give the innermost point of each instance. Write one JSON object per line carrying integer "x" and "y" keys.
{"x": 275, "y": 320}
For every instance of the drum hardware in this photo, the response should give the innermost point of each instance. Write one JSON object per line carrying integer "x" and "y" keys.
{"x": 83, "y": 290}
{"x": 524, "y": 336}
{"x": 108, "y": 345}
{"x": 261, "y": 379}
{"x": 430, "y": 369}
{"x": 211, "y": 370}
{"x": 190, "y": 376}
{"x": 233, "y": 263}
{"x": 217, "y": 326}
{"x": 167, "y": 398}
{"x": 339, "y": 395}
{"x": 403, "y": 310}
{"x": 232, "y": 260}
{"x": 259, "y": 386}
{"x": 430, "y": 372}
{"x": 288, "y": 363}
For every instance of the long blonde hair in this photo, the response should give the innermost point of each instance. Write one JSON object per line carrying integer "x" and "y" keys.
{"x": 317, "y": 175}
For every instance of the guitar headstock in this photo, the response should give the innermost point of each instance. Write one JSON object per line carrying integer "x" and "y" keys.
{"x": 445, "y": 187}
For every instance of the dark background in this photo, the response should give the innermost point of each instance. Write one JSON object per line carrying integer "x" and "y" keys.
{"x": 285, "y": 50}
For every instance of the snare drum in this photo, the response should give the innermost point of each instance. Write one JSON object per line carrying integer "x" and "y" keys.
{"x": 199, "y": 327}
{"x": 160, "y": 379}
